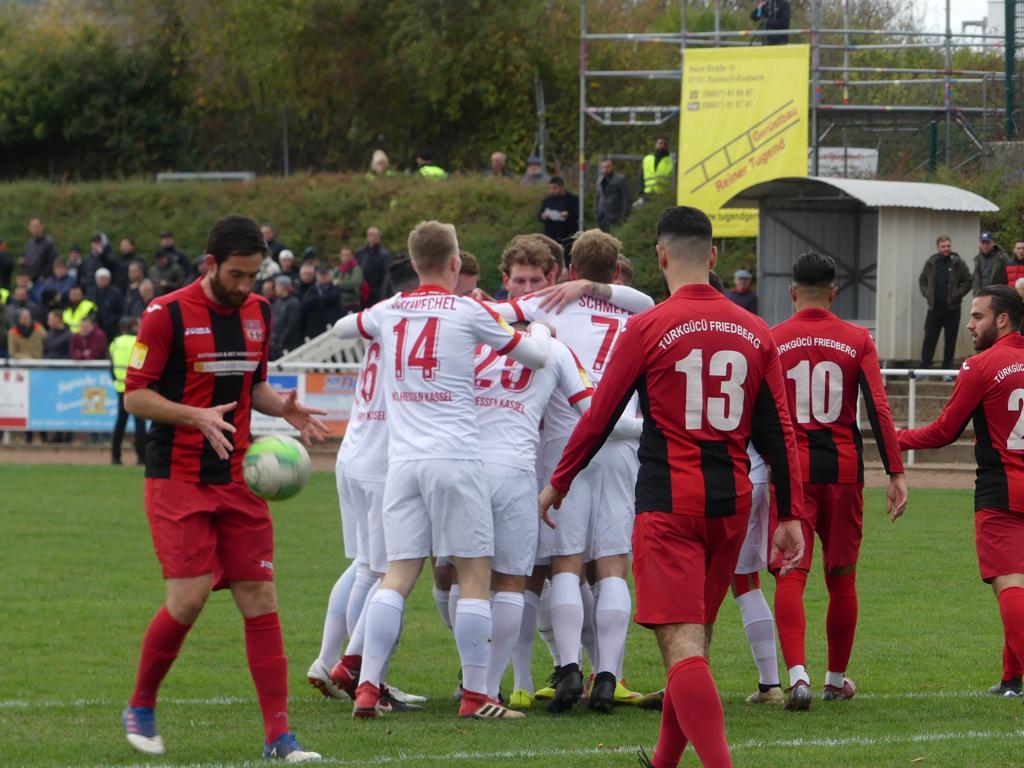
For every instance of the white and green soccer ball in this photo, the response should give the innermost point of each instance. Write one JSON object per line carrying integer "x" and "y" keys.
{"x": 276, "y": 467}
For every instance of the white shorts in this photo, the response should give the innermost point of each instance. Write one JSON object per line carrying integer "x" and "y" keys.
{"x": 351, "y": 516}
{"x": 754, "y": 552}
{"x": 613, "y": 500}
{"x": 439, "y": 507}
{"x": 369, "y": 496}
{"x": 516, "y": 523}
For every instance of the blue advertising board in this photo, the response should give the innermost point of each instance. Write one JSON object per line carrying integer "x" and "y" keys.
{"x": 82, "y": 400}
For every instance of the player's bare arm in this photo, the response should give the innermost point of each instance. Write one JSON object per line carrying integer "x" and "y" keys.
{"x": 267, "y": 401}
{"x": 557, "y": 297}
{"x": 151, "y": 405}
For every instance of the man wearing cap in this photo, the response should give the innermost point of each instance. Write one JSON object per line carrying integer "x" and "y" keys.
{"x": 286, "y": 260}
{"x": 109, "y": 303}
{"x": 741, "y": 293}
{"x": 989, "y": 263}
{"x": 426, "y": 168}
{"x": 535, "y": 173}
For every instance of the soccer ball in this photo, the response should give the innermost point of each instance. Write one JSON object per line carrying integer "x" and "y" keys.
{"x": 276, "y": 467}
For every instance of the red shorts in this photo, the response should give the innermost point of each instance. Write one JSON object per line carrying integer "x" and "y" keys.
{"x": 201, "y": 528}
{"x": 999, "y": 539}
{"x": 835, "y": 511}
{"x": 683, "y": 566}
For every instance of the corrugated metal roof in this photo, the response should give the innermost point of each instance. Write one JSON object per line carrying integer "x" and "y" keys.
{"x": 874, "y": 194}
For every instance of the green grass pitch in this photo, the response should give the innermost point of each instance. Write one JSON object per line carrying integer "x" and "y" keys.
{"x": 80, "y": 582}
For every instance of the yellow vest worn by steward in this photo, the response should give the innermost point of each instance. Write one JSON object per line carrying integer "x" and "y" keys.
{"x": 433, "y": 172}
{"x": 120, "y": 354}
{"x": 657, "y": 178}
{"x": 73, "y": 315}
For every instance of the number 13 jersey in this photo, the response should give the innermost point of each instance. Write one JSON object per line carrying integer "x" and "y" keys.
{"x": 428, "y": 339}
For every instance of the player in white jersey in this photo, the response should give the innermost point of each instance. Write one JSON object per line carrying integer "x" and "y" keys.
{"x": 435, "y": 496}
{"x": 597, "y": 520}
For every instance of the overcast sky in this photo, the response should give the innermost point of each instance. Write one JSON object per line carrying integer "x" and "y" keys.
{"x": 960, "y": 10}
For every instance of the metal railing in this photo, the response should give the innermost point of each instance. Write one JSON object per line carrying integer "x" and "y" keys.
{"x": 912, "y": 375}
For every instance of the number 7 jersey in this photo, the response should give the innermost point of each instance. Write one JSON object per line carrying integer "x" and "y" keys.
{"x": 709, "y": 381}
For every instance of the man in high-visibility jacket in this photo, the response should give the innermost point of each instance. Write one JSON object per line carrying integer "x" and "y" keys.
{"x": 658, "y": 169}
{"x": 427, "y": 169}
{"x": 79, "y": 307}
{"x": 120, "y": 356}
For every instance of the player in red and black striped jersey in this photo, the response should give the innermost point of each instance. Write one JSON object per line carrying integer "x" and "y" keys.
{"x": 197, "y": 370}
{"x": 708, "y": 376}
{"x": 990, "y": 393}
{"x": 825, "y": 361}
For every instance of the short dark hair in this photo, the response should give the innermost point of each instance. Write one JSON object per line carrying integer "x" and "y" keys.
{"x": 682, "y": 221}
{"x": 235, "y": 235}
{"x": 814, "y": 269}
{"x": 558, "y": 181}
{"x": 1005, "y": 300}
{"x": 403, "y": 276}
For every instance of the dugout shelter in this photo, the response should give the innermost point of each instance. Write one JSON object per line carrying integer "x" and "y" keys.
{"x": 879, "y": 232}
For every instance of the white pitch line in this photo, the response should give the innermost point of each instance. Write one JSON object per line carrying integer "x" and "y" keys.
{"x": 758, "y": 744}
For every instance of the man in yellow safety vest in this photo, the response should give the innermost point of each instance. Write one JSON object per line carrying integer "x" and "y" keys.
{"x": 79, "y": 307}
{"x": 658, "y": 169}
{"x": 120, "y": 355}
{"x": 427, "y": 169}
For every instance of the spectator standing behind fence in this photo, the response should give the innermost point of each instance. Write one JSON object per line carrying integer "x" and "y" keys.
{"x": 136, "y": 274}
{"x": 426, "y": 168}
{"x": 74, "y": 261}
{"x": 79, "y": 308}
{"x": 375, "y": 260}
{"x": 944, "y": 282}
{"x": 25, "y": 339}
{"x": 989, "y": 263}
{"x": 40, "y": 251}
{"x": 380, "y": 166}
{"x": 269, "y": 268}
{"x": 742, "y": 294}
{"x": 613, "y": 202}
{"x": 321, "y": 306}
{"x": 350, "y": 281}
{"x": 57, "y": 343}
{"x": 286, "y": 260}
{"x": 6, "y": 266}
{"x": 99, "y": 256}
{"x": 307, "y": 279}
{"x": 658, "y": 169}
{"x": 120, "y": 355}
{"x": 270, "y": 238}
{"x": 535, "y": 173}
{"x": 109, "y": 303}
{"x": 166, "y": 274}
{"x": 178, "y": 256}
{"x": 128, "y": 254}
{"x": 138, "y": 303}
{"x": 499, "y": 166}
{"x": 90, "y": 343}
{"x": 772, "y": 14}
{"x": 286, "y": 329}
{"x": 58, "y": 283}
{"x": 560, "y": 213}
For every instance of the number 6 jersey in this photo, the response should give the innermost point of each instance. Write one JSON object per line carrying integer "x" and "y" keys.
{"x": 709, "y": 380}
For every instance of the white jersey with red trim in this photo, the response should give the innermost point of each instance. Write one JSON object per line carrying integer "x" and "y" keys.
{"x": 511, "y": 400}
{"x": 428, "y": 341}
{"x": 364, "y": 450}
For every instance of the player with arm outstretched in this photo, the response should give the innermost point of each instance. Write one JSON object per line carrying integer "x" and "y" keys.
{"x": 708, "y": 377}
{"x": 435, "y": 495}
{"x": 197, "y": 371}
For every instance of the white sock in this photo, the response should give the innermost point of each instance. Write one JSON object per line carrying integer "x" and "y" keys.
{"x": 797, "y": 674}
{"x": 473, "y": 639}
{"x": 566, "y": 615}
{"x": 383, "y": 627}
{"x": 588, "y": 636}
{"x": 835, "y": 679}
{"x": 335, "y": 626}
{"x": 441, "y": 597}
{"x": 358, "y": 638}
{"x": 507, "y": 617}
{"x": 522, "y": 658}
{"x": 759, "y": 625}
{"x": 547, "y": 634}
{"x": 614, "y": 606}
{"x": 357, "y": 597}
{"x": 453, "y": 604}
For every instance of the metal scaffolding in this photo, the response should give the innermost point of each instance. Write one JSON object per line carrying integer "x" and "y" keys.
{"x": 978, "y": 104}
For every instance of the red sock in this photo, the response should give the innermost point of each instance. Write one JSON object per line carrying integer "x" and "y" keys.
{"x": 790, "y": 617}
{"x": 1011, "y": 608}
{"x": 1011, "y": 664}
{"x": 160, "y": 648}
{"x": 699, "y": 710}
{"x": 671, "y": 741}
{"x": 264, "y": 647}
{"x": 352, "y": 663}
{"x": 841, "y": 620}
{"x": 745, "y": 582}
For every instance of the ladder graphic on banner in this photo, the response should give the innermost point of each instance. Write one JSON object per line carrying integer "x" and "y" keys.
{"x": 735, "y": 151}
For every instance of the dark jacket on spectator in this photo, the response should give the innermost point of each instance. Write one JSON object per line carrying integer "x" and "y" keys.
{"x": 376, "y": 264}
{"x": 91, "y": 262}
{"x": 110, "y": 302}
{"x": 613, "y": 203}
{"x": 773, "y": 15}
{"x": 350, "y": 282}
{"x": 561, "y": 230}
{"x": 179, "y": 258}
{"x": 91, "y": 347}
{"x": 275, "y": 247}
{"x": 57, "y": 344}
{"x": 959, "y": 283}
{"x": 51, "y": 283}
{"x": 39, "y": 257}
{"x": 321, "y": 307}
{"x": 995, "y": 263}
{"x": 170, "y": 273}
{"x": 136, "y": 306}
{"x": 286, "y": 330}
{"x": 747, "y": 299}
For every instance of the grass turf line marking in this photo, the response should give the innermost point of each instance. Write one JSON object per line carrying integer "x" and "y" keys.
{"x": 458, "y": 757}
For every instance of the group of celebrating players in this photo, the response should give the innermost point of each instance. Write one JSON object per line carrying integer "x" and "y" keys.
{"x": 651, "y": 433}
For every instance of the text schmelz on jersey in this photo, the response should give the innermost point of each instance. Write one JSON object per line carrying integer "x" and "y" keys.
{"x": 706, "y": 326}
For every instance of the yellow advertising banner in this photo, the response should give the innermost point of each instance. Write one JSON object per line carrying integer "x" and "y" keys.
{"x": 743, "y": 121}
